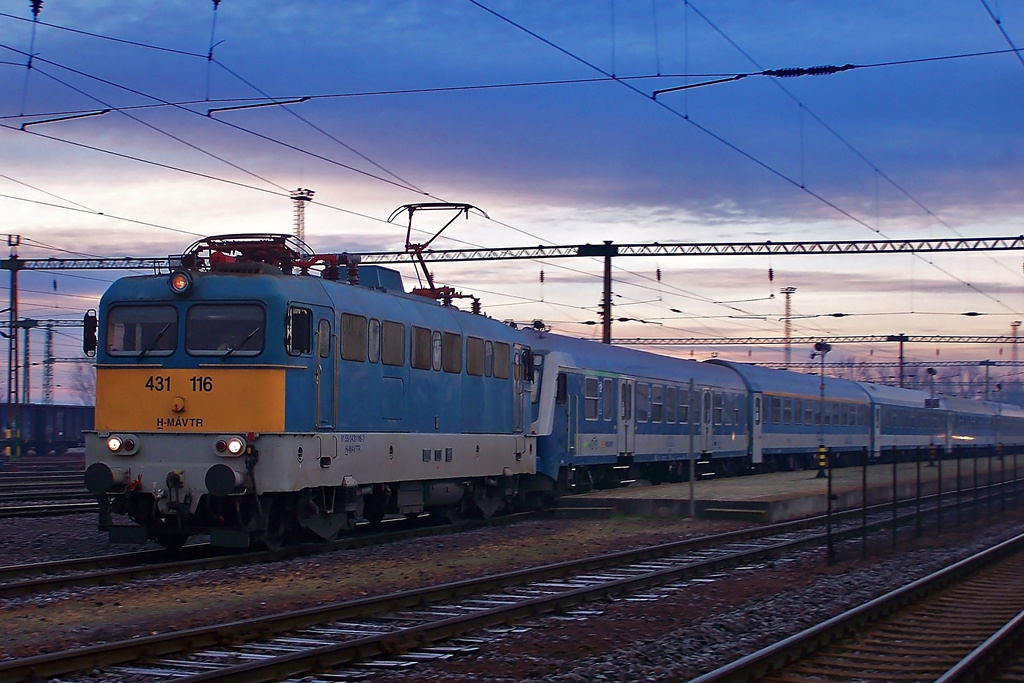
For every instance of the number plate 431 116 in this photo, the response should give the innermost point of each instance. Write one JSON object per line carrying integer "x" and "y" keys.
{"x": 222, "y": 400}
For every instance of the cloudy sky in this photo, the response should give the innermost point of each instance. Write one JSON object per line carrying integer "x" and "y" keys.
{"x": 543, "y": 116}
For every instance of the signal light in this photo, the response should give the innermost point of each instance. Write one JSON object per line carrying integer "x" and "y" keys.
{"x": 114, "y": 444}
{"x": 235, "y": 445}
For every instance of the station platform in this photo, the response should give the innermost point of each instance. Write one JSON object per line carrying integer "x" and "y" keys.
{"x": 783, "y": 496}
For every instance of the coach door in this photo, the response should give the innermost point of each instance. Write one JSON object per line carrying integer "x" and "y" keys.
{"x": 755, "y": 431}
{"x": 326, "y": 382}
{"x": 705, "y": 439}
{"x": 627, "y": 420}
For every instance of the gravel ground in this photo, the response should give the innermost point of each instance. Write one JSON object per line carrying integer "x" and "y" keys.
{"x": 705, "y": 625}
{"x": 678, "y": 635}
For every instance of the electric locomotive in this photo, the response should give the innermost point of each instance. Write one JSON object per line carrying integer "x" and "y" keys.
{"x": 256, "y": 396}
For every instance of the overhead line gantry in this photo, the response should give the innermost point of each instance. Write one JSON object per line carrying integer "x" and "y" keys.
{"x": 607, "y": 250}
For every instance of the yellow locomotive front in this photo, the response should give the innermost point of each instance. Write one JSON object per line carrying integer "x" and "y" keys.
{"x": 192, "y": 369}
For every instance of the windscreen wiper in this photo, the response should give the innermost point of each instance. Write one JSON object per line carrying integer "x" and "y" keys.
{"x": 152, "y": 344}
{"x": 240, "y": 344}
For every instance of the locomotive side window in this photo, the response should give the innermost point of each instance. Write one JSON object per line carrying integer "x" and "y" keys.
{"x": 451, "y": 352}
{"x": 419, "y": 356}
{"x": 353, "y": 336}
{"x": 502, "y": 360}
{"x": 561, "y": 389}
{"x": 142, "y": 330}
{"x": 373, "y": 341}
{"x": 475, "y": 356}
{"x": 299, "y": 331}
{"x": 591, "y": 393}
{"x": 435, "y": 350}
{"x": 392, "y": 348}
{"x": 323, "y": 338}
{"x": 225, "y": 329}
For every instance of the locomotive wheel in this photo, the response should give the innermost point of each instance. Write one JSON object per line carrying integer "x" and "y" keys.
{"x": 276, "y": 535}
{"x": 171, "y": 540}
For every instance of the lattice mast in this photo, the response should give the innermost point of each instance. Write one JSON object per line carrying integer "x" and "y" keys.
{"x": 788, "y": 329}
{"x": 299, "y": 199}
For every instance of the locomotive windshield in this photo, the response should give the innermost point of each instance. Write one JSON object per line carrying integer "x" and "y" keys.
{"x": 141, "y": 330}
{"x": 225, "y": 330}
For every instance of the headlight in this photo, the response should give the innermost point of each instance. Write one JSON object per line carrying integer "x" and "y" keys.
{"x": 180, "y": 282}
{"x": 229, "y": 446}
{"x": 123, "y": 444}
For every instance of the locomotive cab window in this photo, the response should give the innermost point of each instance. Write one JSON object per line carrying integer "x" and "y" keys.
{"x": 299, "y": 331}
{"x": 225, "y": 329}
{"x": 141, "y": 330}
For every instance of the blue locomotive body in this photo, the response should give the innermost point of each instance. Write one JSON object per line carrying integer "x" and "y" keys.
{"x": 238, "y": 399}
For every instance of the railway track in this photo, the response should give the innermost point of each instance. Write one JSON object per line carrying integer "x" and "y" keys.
{"x": 276, "y": 646}
{"x": 114, "y": 569}
{"x": 47, "y": 509}
{"x": 962, "y": 623}
{"x": 107, "y": 570}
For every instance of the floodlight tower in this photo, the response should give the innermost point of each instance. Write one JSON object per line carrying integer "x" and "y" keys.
{"x": 1014, "y": 326}
{"x": 299, "y": 199}
{"x": 788, "y": 356}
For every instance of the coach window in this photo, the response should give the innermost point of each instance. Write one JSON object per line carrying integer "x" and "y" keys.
{"x": 591, "y": 394}
{"x": 142, "y": 330}
{"x": 609, "y": 398}
{"x": 684, "y": 406}
{"x": 225, "y": 329}
{"x": 776, "y": 410}
{"x": 670, "y": 404}
{"x": 643, "y": 398}
{"x": 353, "y": 337}
{"x": 373, "y": 341}
{"x": 502, "y": 359}
{"x": 475, "y": 356}
{"x": 451, "y": 352}
{"x": 419, "y": 356}
{"x": 808, "y": 414}
{"x": 392, "y": 344}
{"x": 798, "y": 410}
{"x": 657, "y": 402}
{"x": 719, "y": 407}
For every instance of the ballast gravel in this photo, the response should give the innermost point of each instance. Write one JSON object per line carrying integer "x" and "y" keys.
{"x": 667, "y": 634}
